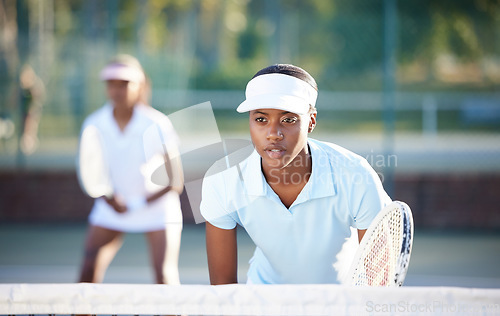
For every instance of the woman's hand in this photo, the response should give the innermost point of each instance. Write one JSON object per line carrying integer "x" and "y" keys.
{"x": 117, "y": 204}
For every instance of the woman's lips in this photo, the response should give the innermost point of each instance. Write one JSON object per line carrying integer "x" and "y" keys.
{"x": 275, "y": 152}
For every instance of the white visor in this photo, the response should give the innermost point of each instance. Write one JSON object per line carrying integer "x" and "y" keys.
{"x": 122, "y": 72}
{"x": 278, "y": 91}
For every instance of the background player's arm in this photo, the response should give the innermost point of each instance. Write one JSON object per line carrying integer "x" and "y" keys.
{"x": 118, "y": 205}
{"x": 173, "y": 166}
{"x": 222, "y": 254}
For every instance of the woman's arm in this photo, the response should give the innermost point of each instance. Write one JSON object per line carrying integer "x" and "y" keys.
{"x": 173, "y": 167}
{"x": 222, "y": 254}
{"x": 116, "y": 203}
{"x": 361, "y": 233}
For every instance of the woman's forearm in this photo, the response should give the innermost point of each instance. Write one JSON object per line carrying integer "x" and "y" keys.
{"x": 222, "y": 255}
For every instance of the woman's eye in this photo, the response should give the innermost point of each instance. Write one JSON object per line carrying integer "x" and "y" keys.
{"x": 260, "y": 119}
{"x": 290, "y": 120}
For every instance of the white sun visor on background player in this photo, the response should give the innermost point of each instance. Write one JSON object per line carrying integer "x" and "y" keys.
{"x": 278, "y": 91}
{"x": 122, "y": 72}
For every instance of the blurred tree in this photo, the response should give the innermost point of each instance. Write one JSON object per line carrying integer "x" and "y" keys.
{"x": 217, "y": 44}
{"x": 466, "y": 30}
{"x": 457, "y": 27}
{"x": 249, "y": 42}
{"x": 9, "y": 54}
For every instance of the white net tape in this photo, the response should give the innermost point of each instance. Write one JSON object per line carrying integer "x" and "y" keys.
{"x": 239, "y": 299}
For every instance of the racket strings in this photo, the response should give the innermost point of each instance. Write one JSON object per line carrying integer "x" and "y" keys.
{"x": 384, "y": 249}
{"x": 375, "y": 264}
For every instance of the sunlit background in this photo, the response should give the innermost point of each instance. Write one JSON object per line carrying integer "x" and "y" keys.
{"x": 411, "y": 85}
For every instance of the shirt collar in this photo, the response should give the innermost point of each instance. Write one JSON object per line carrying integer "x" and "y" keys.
{"x": 320, "y": 183}
{"x": 253, "y": 176}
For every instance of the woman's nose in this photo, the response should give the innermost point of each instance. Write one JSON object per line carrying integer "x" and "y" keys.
{"x": 274, "y": 133}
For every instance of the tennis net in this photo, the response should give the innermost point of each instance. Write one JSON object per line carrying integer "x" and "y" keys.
{"x": 239, "y": 299}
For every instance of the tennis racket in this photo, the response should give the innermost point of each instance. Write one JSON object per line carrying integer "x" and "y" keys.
{"x": 383, "y": 255}
{"x": 93, "y": 171}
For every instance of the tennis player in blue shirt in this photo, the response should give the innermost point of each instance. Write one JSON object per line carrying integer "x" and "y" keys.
{"x": 299, "y": 199}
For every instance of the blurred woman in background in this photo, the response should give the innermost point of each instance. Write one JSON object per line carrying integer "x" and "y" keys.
{"x": 136, "y": 204}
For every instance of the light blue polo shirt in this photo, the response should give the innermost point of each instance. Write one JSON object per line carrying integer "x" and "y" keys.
{"x": 299, "y": 244}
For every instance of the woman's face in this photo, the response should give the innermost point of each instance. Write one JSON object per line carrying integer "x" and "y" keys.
{"x": 123, "y": 94}
{"x": 279, "y": 136}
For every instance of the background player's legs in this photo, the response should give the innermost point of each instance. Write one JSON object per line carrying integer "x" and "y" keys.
{"x": 164, "y": 246}
{"x": 101, "y": 246}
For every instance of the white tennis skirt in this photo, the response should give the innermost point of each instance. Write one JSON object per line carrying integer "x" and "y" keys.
{"x": 157, "y": 215}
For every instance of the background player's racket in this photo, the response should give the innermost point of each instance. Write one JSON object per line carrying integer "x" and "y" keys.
{"x": 93, "y": 171}
{"x": 384, "y": 253}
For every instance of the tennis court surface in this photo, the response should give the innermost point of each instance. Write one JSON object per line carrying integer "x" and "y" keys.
{"x": 51, "y": 253}
{"x": 451, "y": 273}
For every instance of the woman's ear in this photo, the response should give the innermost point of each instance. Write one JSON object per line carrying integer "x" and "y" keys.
{"x": 312, "y": 122}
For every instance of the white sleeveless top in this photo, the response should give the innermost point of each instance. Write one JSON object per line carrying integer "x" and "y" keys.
{"x": 132, "y": 155}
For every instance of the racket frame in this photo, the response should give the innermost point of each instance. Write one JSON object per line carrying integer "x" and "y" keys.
{"x": 404, "y": 255}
